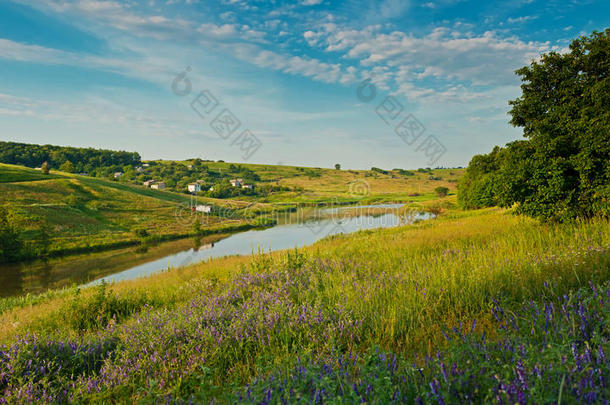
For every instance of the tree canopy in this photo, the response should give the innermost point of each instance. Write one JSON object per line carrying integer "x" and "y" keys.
{"x": 561, "y": 170}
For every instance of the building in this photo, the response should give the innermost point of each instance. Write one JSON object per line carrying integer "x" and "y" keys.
{"x": 194, "y": 187}
{"x": 249, "y": 186}
{"x": 204, "y": 208}
{"x": 139, "y": 169}
{"x": 237, "y": 182}
{"x": 158, "y": 186}
{"x": 118, "y": 174}
{"x": 190, "y": 167}
{"x": 145, "y": 165}
{"x": 148, "y": 183}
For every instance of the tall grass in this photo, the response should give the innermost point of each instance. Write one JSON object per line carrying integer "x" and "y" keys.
{"x": 220, "y": 324}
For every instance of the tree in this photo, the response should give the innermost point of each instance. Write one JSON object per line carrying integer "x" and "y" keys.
{"x": 564, "y": 111}
{"x": 561, "y": 170}
{"x": 44, "y": 239}
{"x": 337, "y": 166}
{"x": 67, "y": 166}
{"x": 45, "y": 167}
{"x": 441, "y": 191}
{"x": 11, "y": 245}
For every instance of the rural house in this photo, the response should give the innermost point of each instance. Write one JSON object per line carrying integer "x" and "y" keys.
{"x": 194, "y": 187}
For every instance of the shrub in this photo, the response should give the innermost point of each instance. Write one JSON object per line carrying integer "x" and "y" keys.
{"x": 441, "y": 191}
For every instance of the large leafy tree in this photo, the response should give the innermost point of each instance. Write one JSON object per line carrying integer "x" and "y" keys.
{"x": 564, "y": 111}
{"x": 562, "y": 170}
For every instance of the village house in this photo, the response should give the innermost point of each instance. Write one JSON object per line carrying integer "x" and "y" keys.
{"x": 248, "y": 186}
{"x": 194, "y": 187}
{"x": 204, "y": 208}
{"x": 145, "y": 165}
{"x": 237, "y": 182}
{"x": 158, "y": 186}
{"x": 148, "y": 183}
{"x": 118, "y": 174}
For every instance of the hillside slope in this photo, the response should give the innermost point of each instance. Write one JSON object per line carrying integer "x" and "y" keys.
{"x": 81, "y": 212}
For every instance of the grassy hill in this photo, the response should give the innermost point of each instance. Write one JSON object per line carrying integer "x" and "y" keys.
{"x": 320, "y": 185}
{"x": 82, "y": 212}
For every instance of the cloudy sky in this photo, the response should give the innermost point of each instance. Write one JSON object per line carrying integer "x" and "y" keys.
{"x": 298, "y": 75}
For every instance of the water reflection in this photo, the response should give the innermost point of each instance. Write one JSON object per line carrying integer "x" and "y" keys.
{"x": 295, "y": 229}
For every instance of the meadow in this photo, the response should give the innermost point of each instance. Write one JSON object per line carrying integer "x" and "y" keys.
{"x": 79, "y": 213}
{"x": 63, "y": 213}
{"x": 478, "y": 306}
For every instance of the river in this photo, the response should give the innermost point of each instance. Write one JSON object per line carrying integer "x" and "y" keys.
{"x": 297, "y": 229}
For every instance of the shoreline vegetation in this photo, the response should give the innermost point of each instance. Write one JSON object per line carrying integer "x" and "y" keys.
{"x": 63, "y": 213}
{"x": 460, "y": 266}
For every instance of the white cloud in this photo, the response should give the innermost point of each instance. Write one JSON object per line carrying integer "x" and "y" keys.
{"x": 443, "y": 54}
{"x": 522, "y": 19}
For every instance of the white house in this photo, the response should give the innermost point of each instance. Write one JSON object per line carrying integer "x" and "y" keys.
{"x": 237, "y": 182}
{"x": 204, "y": 208}
{"x": 250, "y": 186}
{"x": 194, "y": 187}
{"x": 118, "y": 174}
{"x": 158, "y": 186}
{"x": 148, "y": 183}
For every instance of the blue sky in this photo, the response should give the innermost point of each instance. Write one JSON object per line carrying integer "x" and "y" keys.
{"x": 100, "y": 73}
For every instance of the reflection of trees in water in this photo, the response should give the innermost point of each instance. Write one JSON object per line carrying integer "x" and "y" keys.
{"x": 45, "y": 275}
{"x": 11, "y": 280}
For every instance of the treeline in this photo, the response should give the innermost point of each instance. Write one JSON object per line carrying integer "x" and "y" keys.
{"x": 95, "y": 162}
{"x": 561, "y": 171}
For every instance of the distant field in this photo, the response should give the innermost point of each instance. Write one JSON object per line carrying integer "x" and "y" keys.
{"x": 322, "y": 185}
{"x": 84, "y": 212}
{"x": 10, "y": 173}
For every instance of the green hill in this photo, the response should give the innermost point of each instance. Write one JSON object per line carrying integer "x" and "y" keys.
{"x": 82, "y": 213}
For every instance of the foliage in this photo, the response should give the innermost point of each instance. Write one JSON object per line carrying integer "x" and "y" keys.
{"x": 11, "y": 245}
{"x": 86, "y": 160}
{"x": 45, "y": 167}
{"x": 392, "y": 288}
{"x": 378, "y": 170}
{"x": 441, "y": 191}
{"x": 337, "y": 166}
{"x": 562, "y": 170}
{"x": 549, "y": 351}
{"x": 67, "y": 167}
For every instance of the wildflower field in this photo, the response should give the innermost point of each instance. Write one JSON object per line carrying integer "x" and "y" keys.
{"x": 481, "y": 306}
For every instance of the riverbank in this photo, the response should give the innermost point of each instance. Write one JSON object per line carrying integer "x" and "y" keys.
{"x": 395, "y": 288}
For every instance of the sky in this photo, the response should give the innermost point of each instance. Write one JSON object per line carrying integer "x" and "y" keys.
{"x": 389, "y": 83}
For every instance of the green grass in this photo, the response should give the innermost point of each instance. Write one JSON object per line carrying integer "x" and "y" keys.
{"x": 396, "y": 288}
{"x": 86, "y": 213}
{"x": 12, "y": 173}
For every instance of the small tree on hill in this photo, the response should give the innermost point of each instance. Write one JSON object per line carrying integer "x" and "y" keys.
{"x": 67, "y": 167}
{"x": 441, "y": 191}
{"x": 45, "y": 168}
{"x": 337, "y": 166}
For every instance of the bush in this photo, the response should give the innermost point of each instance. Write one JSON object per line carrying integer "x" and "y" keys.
{"x": 441, "y": 191}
